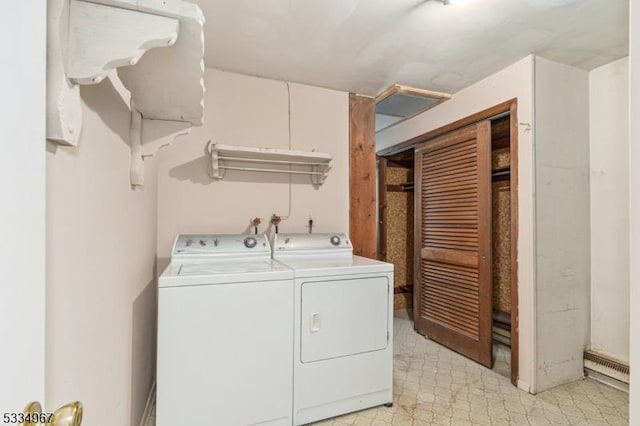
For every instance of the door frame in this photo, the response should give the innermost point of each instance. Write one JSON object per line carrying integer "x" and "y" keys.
{"x": 508, "y": 107}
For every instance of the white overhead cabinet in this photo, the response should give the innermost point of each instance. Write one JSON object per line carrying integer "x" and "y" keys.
{"x": 157, "y": 48}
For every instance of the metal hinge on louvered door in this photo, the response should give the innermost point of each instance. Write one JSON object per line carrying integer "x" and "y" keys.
{"x": 453, "y": 241}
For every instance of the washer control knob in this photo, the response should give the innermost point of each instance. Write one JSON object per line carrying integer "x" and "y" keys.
{"x": 335, "y": 240}
{"x": 250, "y": 242}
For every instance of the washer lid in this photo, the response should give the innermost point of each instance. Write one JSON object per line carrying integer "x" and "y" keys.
{"x": 222, "y": 272}
{"x": 310, "y": 266}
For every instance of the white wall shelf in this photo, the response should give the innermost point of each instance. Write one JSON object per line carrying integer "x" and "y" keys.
{"x": 235, "y": 157}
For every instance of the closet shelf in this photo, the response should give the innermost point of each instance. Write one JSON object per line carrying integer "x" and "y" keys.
{"x": 225, "y": 157}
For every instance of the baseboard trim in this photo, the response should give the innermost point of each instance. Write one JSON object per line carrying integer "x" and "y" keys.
{"x": 147, "y": 408}
{"x": 524, "y": 386}
{"x": 607, "y": 380}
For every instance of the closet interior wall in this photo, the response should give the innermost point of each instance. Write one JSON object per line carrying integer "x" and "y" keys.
{"x": 501, "y": 229}
{"x": 397, "y": 217}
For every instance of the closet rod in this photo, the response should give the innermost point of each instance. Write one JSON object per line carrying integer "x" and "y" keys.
{"x": 403, "y": 187}
{"x": 255, "y": 169}
{"x": 501, "y": 173}
{"x": 268, "y": 161}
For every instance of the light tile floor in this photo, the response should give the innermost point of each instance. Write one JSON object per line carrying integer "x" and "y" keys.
{"x": 502, "y": 360}
{"x": 436, "y": 386}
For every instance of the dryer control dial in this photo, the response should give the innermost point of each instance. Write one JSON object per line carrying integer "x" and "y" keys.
{"x": 335, "y": 240}
{"x": 250, "y": 242}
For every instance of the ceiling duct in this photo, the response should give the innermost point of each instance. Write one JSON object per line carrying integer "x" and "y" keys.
{"x": 398, "y": 102}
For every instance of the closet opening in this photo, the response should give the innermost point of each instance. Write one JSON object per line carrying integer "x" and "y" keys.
{"x": 418, "y": 217}
{"x": 396, "y": 220}
{"x": 501, "y": 244}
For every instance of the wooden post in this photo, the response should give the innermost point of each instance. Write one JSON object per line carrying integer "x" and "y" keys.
{"x": 362, "y": 176}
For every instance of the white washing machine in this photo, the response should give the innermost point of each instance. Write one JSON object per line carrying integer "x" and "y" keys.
{"x": 343, "y": 326}
{"x": 225, "y": 334}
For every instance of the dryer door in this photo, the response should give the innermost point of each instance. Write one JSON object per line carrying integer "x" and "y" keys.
{"x": 344, "y": 317}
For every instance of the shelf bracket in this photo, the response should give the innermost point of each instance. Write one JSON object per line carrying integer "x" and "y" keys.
{"x": 146, "y": 137}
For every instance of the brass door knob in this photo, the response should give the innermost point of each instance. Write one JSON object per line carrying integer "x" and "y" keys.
{"x": 67, "y": 415}
{"x": 32, "y": 408}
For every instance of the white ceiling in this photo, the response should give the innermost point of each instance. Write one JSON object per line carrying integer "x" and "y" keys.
{"x": 363, "y": 46}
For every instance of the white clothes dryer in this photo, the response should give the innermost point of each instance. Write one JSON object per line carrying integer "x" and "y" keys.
{"x": 343, "y": 326}
{"x": 225, "y": 334}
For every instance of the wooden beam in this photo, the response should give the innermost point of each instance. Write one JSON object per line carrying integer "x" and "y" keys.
{"x": 362, "y": 176}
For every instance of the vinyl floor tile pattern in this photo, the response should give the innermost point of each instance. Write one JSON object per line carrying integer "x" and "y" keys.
{"x": 436, "y": 386}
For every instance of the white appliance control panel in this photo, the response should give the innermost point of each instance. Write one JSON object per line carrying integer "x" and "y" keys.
{"x": 307, "y": 243}
{"x": 220, "y": 245}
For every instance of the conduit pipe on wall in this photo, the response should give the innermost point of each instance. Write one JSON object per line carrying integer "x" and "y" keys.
{"x": 135, "y": 141}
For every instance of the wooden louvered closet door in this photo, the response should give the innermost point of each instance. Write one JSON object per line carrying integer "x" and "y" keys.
{"x": 453, "y": 296}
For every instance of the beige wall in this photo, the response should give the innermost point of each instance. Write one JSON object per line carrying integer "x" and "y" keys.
{"x": 515, "y": 81}
{"x": 22, "y": 195}
{"x": 609, "y": 184}
{"x": 101, "y": 296}
{"x": 243, "y": 110}
{"x": 562, "y": 221}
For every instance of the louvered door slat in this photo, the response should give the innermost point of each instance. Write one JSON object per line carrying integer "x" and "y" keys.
{"x": 450, "y": 168}
{"x": 456, "y": 272}
{"x": 460, "y": 190}
{"x": 453, "y": 240}
{"x": 440, "y": 214}
{"x": 453, "y": 198}
{"x": 443, "y": 170}
{"x": 449, "y": 317}
{"x": 452, "y": 207}
{"x": 462, "y": 222}
{"x": 461, "y": 238}
{"x": 458, "y": 151}
{"x": 467, "y": 160}
{"x": 462, "y": 152}
{"x": 443, "y": 311}
{"x": 465, "y": 301}
{"x": 451, "y": 246}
